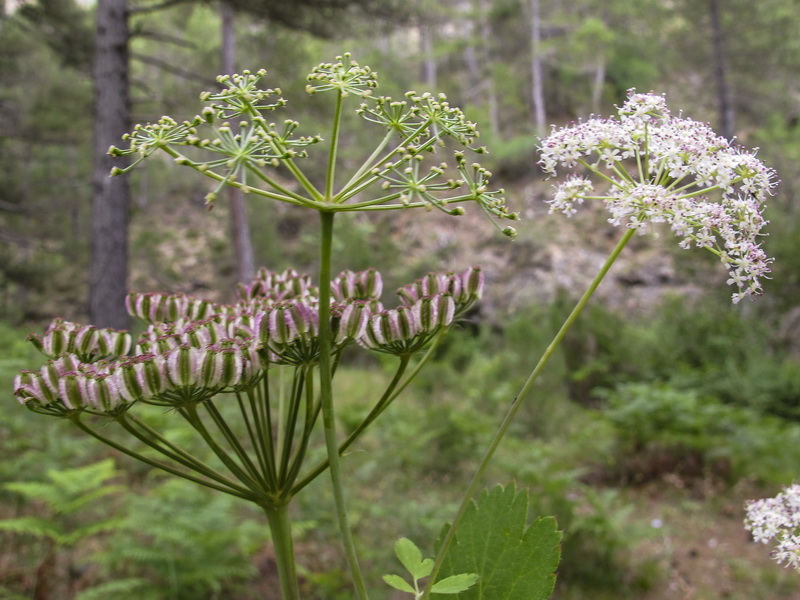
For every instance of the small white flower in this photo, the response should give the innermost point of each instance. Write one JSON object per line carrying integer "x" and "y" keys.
{"x": 777, "y": 519}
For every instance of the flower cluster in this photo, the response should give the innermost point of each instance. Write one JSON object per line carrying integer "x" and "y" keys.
{"x": 242, "y": 96}
{"x": 345, "y": 76}
{"x": 193, "y": 349}
{"x": 235, "y": 142}
{"x": 778, "y": 519}
{"x": 421, "y": 118}
{"x": 88, "y": 343}
{"x": 665, "y": 169}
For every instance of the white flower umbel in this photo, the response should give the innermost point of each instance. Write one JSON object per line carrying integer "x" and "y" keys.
{"x": 657, "y": 168}
{"x": 778, "y": 520}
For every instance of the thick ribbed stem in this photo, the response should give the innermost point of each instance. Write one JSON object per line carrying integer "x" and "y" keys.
{"x": 281, "y": 529}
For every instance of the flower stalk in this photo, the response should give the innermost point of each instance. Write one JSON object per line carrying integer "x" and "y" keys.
{"x": 326, "y": 400}
{"x": 516, "y": 403}
{"x": 281, "y": 529}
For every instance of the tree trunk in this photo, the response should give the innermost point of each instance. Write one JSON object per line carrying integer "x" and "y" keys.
{"x": 537, "y": 88}
{"x": 724, "y": 103}
{"x": 428, "y": 58}
{"x": 108, "y": 278}
{"x": 597, "y": 83}
{"x": 492, "y": 105}
{"x": 240, "y": 228}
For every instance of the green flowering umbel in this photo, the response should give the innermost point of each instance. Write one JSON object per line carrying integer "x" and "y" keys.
{"x": 237, "y": 141}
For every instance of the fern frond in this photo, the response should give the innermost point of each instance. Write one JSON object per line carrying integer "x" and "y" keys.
{"x": 119, "y": 589}
{"x": 35, "y": 526}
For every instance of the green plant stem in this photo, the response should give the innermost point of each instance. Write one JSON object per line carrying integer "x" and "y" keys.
{"x": 331, "y": 171}
{"x": 367, "y": 165}
{"x": 281, "y": 529}
{"x": 256, "y": 440}
{"x": 233, "y": 491}
{"x": 162, "y": 445}
{"x": 302, "y": 445}
{"x": 191, "y": 415}
{"x": 289, "y": 199}
{"x": 296, "y": 399}
{"x": 517, "y": 402}
{"x": 379, "y": 407}
{"x": 361, "y": 183}
{"x": 326, "y": 400}
{"x": 235, "y": 444}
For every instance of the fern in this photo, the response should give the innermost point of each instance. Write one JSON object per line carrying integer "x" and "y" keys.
{"x": 64, "y": 495}
{"x": 34, "y": 526}
{"x": 131, "y": 588}
{"x": 187, "y": 543}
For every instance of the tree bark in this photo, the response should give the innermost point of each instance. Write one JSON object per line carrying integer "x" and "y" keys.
{"x": 537, "y": 88}
{"x": 429, "y": 74}
{"x": 240, "y": 228}
{"x": 108, "y": 277}
{"x": 598, "y": 82}
{"x": 492, "y": 105}
{"x": 725, "y": 105}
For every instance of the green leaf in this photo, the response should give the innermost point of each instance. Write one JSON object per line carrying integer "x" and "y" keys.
{"x": 76, "y": 535}
{"x": 425, "y": 568}
{"x": 455, "y": 583}
{"x": 399, "y": 583}
{"x": 35, "y": 526}
{"x": 410, "y": 556}
{"x": 513, "y": 563}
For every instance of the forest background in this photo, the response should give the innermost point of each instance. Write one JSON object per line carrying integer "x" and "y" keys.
{"x": 667, "y": 408}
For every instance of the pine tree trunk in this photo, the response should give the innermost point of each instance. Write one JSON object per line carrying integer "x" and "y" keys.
{"x": 240, "y": 228}
{"x": 597, "y": 83}
{"x": 108, "y": 278}
{"x": 725, "y": 105}
{"x": 537, "y": 89}
{"x": 429, "y": 73}
{"x": 492, "y": 105}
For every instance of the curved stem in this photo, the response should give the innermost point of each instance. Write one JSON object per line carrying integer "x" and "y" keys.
{"x": 191, "y": 415}
{"x": 289, "y": 195}
{"x": 280, "y": 527}
{"x": 295, "y": 400}
{"x": 373, "y": 414}
{"x": 235, "y": 444}
{"x": 326, "y": 400}
{"x": 238, "y": 184}
{"x": 288, "y": 490}
{"x": 392, "y": 392}
{"x": 516, "y": 403}
{"x": 238, "y": 492}
{"x": 163, "y": 446}
{"x": 356, "y": 185}
{"x": 255, "y": 439}
{"x": 367, "y": 165}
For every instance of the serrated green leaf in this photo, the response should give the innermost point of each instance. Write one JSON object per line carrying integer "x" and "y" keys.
{"x": 399, "y": 583}
{"x": 513, "y": 563}
{"x": 455, "y": 583}
{"x": 410, "y": 556}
